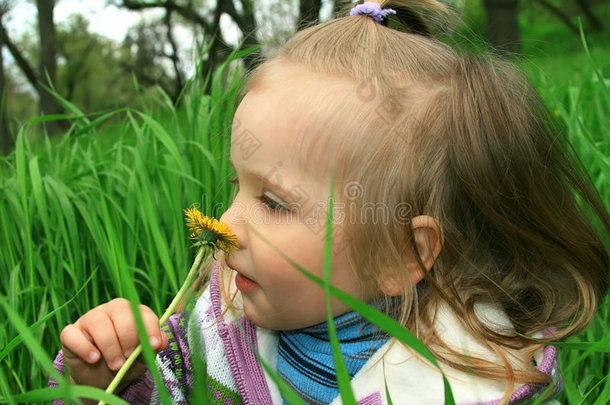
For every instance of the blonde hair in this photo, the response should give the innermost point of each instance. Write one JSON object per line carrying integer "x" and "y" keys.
{"x": 464, "y": 139}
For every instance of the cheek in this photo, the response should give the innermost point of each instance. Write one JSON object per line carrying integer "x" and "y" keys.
{"x": 278, "y": 272}
{"x": 295, "y": 242}
{"x": 273, "y": 264}
{"x": 267, "y": 258}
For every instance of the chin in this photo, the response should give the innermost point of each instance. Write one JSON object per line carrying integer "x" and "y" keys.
{"x": 264, "y": 322}
{"x": 251, "y": 315}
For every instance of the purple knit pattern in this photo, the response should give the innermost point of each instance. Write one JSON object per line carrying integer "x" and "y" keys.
{"x": 240, "y": 343}
{"x": 239, "y": 340}
{"x": 177, "y": 354}
{"x": 372, "y": 10}
{"x": 373, "y": 399}
{"x": 548, "y": 366}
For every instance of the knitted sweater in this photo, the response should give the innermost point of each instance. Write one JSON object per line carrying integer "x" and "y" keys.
{"x": 229, "y": 341}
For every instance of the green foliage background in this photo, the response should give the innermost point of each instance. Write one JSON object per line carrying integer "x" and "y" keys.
{"x": 84, "y": 216}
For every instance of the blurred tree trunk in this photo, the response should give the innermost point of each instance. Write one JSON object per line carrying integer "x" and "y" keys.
{"x": 565, "y": 18}
{"x": 341, "y": 8}
{"x": 586, "y": 9}
{"x": 503, "y": 26}
{"x": 309, "y": 13}
{"x": 219, "y": 49}
{"x": 48, "y": 62}
{"x": 6, "y": 140}
{"x": 20, "y": 59}
{"x": 180, "y": 81}
{"x": 248, "y": 27}
{"x": 215, "y": 49}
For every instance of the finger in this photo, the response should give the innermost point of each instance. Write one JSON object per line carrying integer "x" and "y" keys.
{"x": 101, "y": 329}
{"x": 151, "y": 323}
{"x": 128, "y": 336}
{"x": 77, "y": 345}
{"x": 153, "y": 329}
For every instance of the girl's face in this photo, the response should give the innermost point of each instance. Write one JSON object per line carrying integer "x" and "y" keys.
{"x": 281, "y": 206}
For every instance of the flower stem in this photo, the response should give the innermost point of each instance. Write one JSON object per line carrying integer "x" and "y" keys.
{"x": 170, "y": 310}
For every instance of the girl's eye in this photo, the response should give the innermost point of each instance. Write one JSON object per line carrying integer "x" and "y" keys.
{"x": 272, "y": 202}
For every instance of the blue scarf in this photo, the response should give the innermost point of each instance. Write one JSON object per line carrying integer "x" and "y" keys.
{"x": 305, "y": 356}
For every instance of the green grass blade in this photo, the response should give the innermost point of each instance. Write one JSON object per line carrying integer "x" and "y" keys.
{"x": 597, "y": 72}
{"x": 66, "y": 391}
{"x": 388, "y": 397}
{"x": 343, "y": 378}
{"x": 374, "y": 316}
{"x": 147, "y": 352}
{"x": 162, "y": 135}
{"x": 199, "y": 391}
{"x": 17, "y": 340}
{"x": 28, "y": 338}
{"x": 5, "y": 392}
{"x": 96, "y": 122}
{"x": 287, "y": 393}
{"x": 602, "y": 346}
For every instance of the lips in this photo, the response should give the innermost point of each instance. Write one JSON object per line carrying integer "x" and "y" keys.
{"x": 243, "y": 283}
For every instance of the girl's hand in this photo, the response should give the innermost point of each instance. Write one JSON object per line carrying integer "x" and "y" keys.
{"x": 98, "y": 343}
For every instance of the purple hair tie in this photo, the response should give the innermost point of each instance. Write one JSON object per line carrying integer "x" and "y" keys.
{"x": 373, "y": 10}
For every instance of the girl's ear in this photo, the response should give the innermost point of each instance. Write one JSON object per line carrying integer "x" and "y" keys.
{"x": 428, "y": 241}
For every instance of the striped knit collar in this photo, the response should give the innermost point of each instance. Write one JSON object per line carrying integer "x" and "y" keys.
{"x": 351, "y": 328}
{"x": 305, "y": 355}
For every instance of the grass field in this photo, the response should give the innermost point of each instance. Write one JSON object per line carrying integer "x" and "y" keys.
{"x": 98, "y": 213}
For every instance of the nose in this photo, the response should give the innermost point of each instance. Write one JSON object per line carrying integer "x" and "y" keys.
{"x": 235, "y": 219}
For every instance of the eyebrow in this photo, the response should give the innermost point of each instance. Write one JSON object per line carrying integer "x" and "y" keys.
{"x": 268, "y": 183}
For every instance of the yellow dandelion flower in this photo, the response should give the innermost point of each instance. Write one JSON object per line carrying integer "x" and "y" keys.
{"x": 210, "y": 235}
{"x": 208, "y": 231}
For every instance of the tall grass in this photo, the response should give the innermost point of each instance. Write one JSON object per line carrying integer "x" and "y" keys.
{"x": 104, "y": 204}
{"x": 83, "y": 216}
{"x": 578, "y": 91}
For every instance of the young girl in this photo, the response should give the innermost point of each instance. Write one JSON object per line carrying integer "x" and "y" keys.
{"x": 458, "y": 213}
